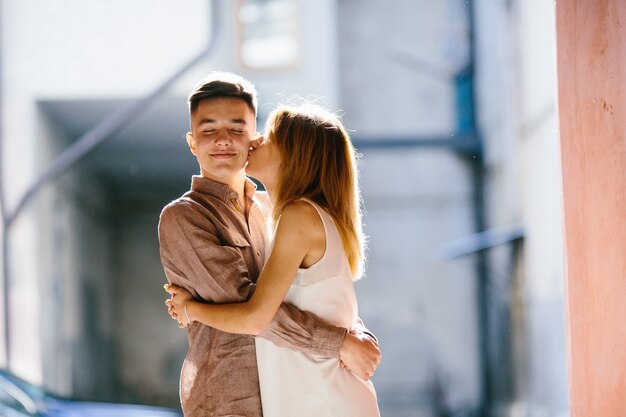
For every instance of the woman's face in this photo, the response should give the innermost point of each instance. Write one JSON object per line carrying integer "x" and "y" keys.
{"x": 264, "y": 163}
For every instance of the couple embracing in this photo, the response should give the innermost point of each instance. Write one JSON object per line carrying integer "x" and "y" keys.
{"x": 263, "y": 281}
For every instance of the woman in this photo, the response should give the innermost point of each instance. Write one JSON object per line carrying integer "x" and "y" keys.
{"x": 308, "y": 167}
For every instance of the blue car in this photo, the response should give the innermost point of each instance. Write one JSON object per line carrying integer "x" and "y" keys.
{"x": 21, "y": 399}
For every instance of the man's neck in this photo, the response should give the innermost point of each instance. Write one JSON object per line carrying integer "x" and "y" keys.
{"x": 236, "y": 182}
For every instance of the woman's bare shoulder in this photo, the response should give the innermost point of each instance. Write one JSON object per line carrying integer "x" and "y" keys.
{"x": 301, "y": 210}
{"x": 302, "y": 218}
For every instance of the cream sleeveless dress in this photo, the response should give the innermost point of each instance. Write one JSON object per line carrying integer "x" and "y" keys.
{"x": 296, "y": 384}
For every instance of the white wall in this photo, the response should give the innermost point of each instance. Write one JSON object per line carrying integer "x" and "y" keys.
{"x": 517, "y": 92}
{"x": 421, "y": 306}
{"x": 542, "y": 211}
{"x": 316, "y": 74}
{"x": 397, "y": 67}
{"x": 149, "y": 346}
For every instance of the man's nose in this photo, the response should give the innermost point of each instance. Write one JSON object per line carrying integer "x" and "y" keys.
{"x": 223, "y": 139}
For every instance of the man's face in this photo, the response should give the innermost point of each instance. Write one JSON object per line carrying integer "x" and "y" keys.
{"x": 221, "y": 131}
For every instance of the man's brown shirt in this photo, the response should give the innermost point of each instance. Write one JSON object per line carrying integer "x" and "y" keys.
{"x": 209, "y": 247}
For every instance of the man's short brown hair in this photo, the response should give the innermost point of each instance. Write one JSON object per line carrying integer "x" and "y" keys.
{"x": 223, "y": 84}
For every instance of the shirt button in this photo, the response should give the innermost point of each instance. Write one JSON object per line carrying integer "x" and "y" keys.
{"x": 258, "y": 253}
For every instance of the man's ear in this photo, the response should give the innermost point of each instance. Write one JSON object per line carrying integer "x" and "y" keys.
{"x": 191, "y": 142}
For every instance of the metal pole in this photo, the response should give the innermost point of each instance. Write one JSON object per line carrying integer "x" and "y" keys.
{"x": 466, "y": 144}
{"x": 482, "y": 293}
{"x": 482, "y": 273}
{"x": 3, "y": 216}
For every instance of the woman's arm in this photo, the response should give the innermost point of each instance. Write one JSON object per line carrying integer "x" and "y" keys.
{"x": 294, "y": 239}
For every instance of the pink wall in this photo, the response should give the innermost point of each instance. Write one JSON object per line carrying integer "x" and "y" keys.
{"x": 591, "y": 61}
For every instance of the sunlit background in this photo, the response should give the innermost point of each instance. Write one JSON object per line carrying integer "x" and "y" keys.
{"x": 451, "y": 104}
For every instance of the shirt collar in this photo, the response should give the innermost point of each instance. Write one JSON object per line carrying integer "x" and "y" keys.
{"x": 220, "y": 190}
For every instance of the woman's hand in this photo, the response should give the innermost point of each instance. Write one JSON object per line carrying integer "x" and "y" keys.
{"x": 177, "y": 304}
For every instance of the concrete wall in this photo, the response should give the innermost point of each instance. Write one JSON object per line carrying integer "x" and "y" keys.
{"x": 316, "y": 75}
{"x": 72, "y": 242}
{"x": 545, "y": 390}
{"x": 149, "y": 346}
{"x": 397, "y": 67}
{"x": 516, "y": 107}
{"x": 421, "y": 307}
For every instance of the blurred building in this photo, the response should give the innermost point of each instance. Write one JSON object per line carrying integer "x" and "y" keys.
{"x": 452, "y": 106}
{"x": 516, "y": 86}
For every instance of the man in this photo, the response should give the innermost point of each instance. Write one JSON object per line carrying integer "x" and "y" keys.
{"x": 213, "y": 243}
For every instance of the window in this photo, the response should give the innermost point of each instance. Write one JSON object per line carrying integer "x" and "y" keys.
{"x": 268, "y": 36}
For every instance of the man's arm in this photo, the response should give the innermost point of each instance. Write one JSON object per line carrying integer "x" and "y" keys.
{"x": 194, "y": 258}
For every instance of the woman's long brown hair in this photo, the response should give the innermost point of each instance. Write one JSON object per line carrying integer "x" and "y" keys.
{"x": 319, "y": 163}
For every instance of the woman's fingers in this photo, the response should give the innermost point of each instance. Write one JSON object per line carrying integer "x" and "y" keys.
{"x": 256, "y": 142}
{"x": 171, "y": 309}
{"x": 176, "y": 303}
{"x": 171, "y": 289}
